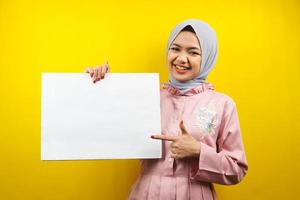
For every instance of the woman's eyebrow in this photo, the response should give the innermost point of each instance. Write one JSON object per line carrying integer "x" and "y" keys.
{"x": 188, "y": 48}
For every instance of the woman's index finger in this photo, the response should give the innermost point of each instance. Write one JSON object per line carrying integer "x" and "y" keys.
{"x": 165, "y": 137}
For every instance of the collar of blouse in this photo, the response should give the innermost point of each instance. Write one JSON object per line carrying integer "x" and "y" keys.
{"x": 196, "y": 90}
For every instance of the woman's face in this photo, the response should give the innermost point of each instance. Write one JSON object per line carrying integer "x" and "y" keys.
{"x": 184, "y": 57}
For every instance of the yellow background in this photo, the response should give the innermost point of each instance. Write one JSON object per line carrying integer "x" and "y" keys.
{"x": 258, "y": 66}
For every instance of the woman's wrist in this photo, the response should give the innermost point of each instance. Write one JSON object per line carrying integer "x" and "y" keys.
{"x": 197, "y": 150}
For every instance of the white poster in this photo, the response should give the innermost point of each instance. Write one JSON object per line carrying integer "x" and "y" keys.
{"x": 111, "y": 119}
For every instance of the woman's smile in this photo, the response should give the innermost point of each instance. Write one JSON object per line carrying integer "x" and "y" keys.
{"x": 181, "y": 69}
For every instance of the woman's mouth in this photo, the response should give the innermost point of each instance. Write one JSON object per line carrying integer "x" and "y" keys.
{"x": 181, "y": 69}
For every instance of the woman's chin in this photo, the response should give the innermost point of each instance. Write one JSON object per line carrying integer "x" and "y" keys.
{"x": 181, "y": 78}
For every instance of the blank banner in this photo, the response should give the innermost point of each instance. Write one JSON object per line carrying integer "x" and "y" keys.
{"x": 111, "y": 119}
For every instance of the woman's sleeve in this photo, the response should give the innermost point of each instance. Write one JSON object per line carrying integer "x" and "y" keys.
{"x": 227, "y": 164}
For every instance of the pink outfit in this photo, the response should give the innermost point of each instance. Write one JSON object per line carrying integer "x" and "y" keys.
{"x": 212, "y": 119}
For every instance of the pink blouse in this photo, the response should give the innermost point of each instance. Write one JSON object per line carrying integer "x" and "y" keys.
{"x": 211, "y": 118}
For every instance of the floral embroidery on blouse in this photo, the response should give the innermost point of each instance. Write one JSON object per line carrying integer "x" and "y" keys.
{"x": 206, "y": 119}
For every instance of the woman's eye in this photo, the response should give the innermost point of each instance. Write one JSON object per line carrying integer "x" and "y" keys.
{"x": 175, "y": 49}
{"x": 195, "y": 53}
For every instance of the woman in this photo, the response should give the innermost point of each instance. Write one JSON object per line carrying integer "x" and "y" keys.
{"x": 202, "y": 143}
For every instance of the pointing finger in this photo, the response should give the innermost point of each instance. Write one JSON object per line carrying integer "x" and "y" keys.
{"x": 165, "y": 137}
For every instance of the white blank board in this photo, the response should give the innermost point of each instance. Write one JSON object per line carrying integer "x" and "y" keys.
{"x": 111, "y": 119}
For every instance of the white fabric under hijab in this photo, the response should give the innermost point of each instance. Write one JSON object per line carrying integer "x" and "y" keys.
{"x": 209, "y": 49}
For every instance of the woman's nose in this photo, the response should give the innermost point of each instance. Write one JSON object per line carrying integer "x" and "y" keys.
{"x": 182, "y": 58}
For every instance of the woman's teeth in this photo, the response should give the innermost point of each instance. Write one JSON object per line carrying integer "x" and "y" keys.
{"x": 182, "y": 68}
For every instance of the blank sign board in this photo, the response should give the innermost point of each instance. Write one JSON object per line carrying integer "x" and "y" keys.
{"x": 111, "y": 119}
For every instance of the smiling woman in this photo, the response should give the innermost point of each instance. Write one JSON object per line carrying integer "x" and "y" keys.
{"x": 201, "y": 135}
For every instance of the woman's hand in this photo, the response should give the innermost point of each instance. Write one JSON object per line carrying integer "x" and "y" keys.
{"x": 98, "y": 72}
{"x": 182, "y": 146}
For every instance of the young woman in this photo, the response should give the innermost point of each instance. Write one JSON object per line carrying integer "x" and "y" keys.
{"x": 201, "y": 136}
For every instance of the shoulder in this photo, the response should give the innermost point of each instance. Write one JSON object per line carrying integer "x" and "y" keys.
{"x": 220, "y": 98}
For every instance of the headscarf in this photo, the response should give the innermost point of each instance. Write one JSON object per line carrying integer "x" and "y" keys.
{"x": 209, "y": 49}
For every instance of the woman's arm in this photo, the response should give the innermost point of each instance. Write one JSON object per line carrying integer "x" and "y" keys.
{"x": 228, "y": 164}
